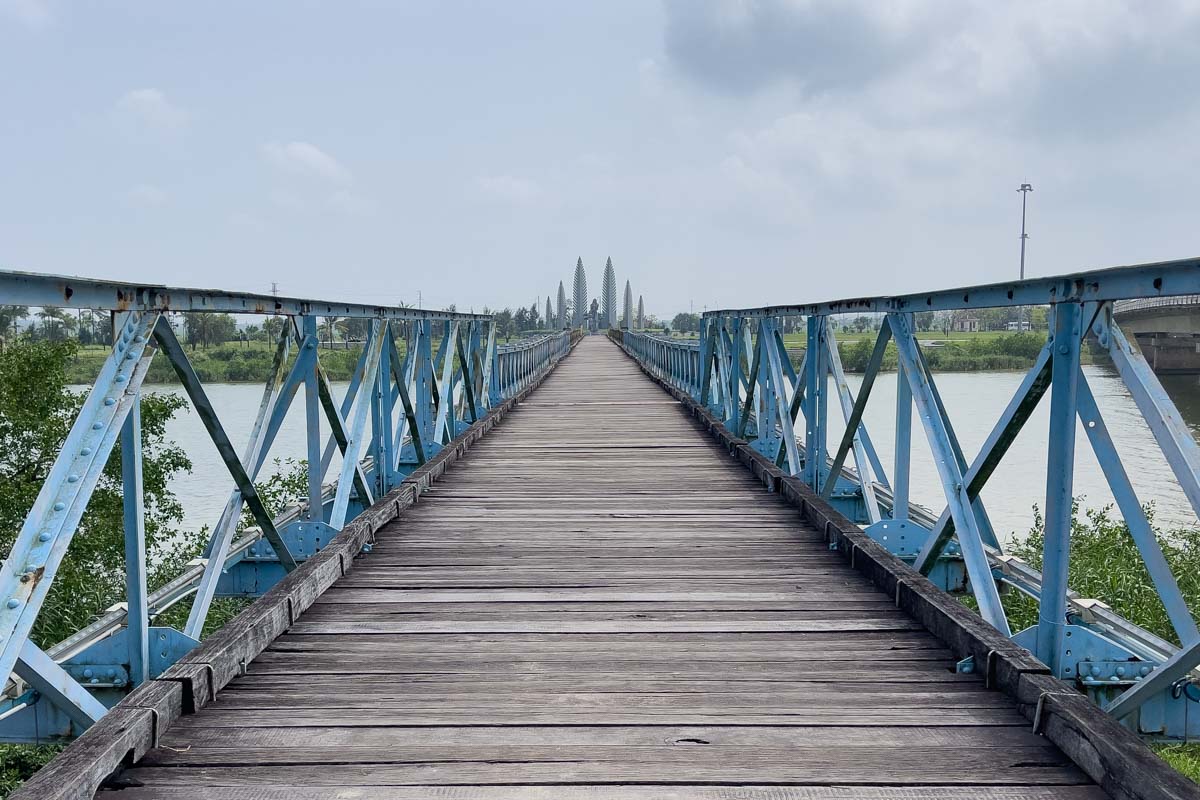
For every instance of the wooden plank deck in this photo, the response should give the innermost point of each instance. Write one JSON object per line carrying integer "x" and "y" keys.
{"x": 598, "y": 603}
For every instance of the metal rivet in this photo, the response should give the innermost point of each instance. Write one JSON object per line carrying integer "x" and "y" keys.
{"x": 13, "y": 603}
{"x": 59, "y": 506}
{"x": 87, "y": 673}
{"x": 108, "y": 401}
{"x": 87, "y": 451}
{"x": 97, "y": 426}
{"x": 72, "y": 479}
{"x": 121, "y": 378}
{"x": 44, "y": 536}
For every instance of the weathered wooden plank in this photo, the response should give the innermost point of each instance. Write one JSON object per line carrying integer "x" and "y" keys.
{"x": 292, "y": 791}
{"x": 818, "y": 769}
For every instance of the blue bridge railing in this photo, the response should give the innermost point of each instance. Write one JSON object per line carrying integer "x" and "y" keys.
{"x": 739, "y": 369}
{"x": 423, "y": 378}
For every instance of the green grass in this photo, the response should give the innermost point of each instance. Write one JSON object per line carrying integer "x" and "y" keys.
{"x": 1184, "y": 758}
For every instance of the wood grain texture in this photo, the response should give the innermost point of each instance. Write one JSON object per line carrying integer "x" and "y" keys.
{"x": 599, "y": 603}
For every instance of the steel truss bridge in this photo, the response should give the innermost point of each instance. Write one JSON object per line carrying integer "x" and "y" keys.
{"x": 651, "y": 572}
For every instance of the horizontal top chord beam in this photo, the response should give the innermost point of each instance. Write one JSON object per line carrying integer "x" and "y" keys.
{"x": 61, "y": 291}
{"x": 1157, "y": 280}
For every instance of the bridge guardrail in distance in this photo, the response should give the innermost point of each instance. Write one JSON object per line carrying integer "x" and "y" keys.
{"x": 423, "y": 378}
{"x": 739, "y": 369}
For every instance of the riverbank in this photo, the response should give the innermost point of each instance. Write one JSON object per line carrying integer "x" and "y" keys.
{"x": 227, "y": 363}
{"x": 989, "y": 351}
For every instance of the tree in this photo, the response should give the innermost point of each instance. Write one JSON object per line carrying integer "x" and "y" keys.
{"x": 9, "y": 317}
{"x": 608, "y": 298}
{"x": 534, "y": 320}
{"x": 641, "y": 313}
{"x": 356, "y": 329}
{"x": 57, "y": 324}
{"x": 330, "y": 327}
{"x": 686, "y": 323}
{"x": 208, "y": 329}
{"x": 579, "y": 295}
{"x": 627, "y": 316}
{"x": 549, "y": 314}
{"x": 521, "y": 319}
{"x": 560, "y": 321}
{"x": 506, "y": 326}
{"x": 273, "y": 326}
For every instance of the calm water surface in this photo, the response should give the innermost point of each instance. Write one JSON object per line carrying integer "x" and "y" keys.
{"x": 973, "y": 400}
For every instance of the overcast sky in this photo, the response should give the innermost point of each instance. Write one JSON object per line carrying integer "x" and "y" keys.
{"x": 722, "y": 153}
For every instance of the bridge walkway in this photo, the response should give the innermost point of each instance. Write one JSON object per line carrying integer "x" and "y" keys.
{"x": 598, "y": 603}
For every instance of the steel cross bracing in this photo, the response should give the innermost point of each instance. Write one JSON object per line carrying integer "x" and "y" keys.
{"x": 423, "y": 378}
{"x": 740, "y": 370}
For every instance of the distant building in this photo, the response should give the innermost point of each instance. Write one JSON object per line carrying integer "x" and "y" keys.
{"x": 966, "y": 324}
{"x": 1023, "y": 325}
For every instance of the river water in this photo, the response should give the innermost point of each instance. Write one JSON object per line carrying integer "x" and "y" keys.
{"x": 973, "y": 400}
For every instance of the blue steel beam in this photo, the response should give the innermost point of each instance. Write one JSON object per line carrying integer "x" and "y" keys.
{"x": 852, "y": 411}
{"x": 60, "y": 291}
{"x": 357, "y": 430}
{"x": 1170, "y": 431}
{"x": 1161, "y": 279}
{"x": 28, "y": 572}
{"x": 1060, "y": 474}
{"x": 1022, "y": 405}
{"x": 52, "y": 681}
{"x": 1135, "y": 518}
{"x": 902, "y": 469}
{"x": 950, "y": 472}
{"x": 174, "y": 352}
{"x": 137, "y": 606}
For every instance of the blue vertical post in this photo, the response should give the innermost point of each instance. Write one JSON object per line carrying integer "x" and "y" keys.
{"x": 904, "y": 404}
{"x": 424, "y": 398}
{"x": 312, "y": 423}
{"x": 735, "y": 371}
{"x": 1060, "y": 473}
{"x": 137, "y": 615}
{"x": 816, "y": 403}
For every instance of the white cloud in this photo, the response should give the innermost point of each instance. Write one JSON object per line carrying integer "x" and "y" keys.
{"x": 510, "y": 188}
{"x": 147, "y": 196}
{"x": 31, "y": 13}
{"x": 150, "y": 107}
{"x": 303, "y": 158}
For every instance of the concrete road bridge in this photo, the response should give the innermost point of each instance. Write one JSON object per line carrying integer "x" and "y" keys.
{"x": 1167, "y": 330}
{"x": 600, "y": 567}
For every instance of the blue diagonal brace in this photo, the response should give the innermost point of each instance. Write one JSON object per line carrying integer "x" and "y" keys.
{"x": 1022, "y": 405}
{"x": 953, "y": 485}
{"x": 54, "y": 684}
{"x": 1135, "y": 518}
{"x": 216, "y": 431}
{"x": 29, "y": 570}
